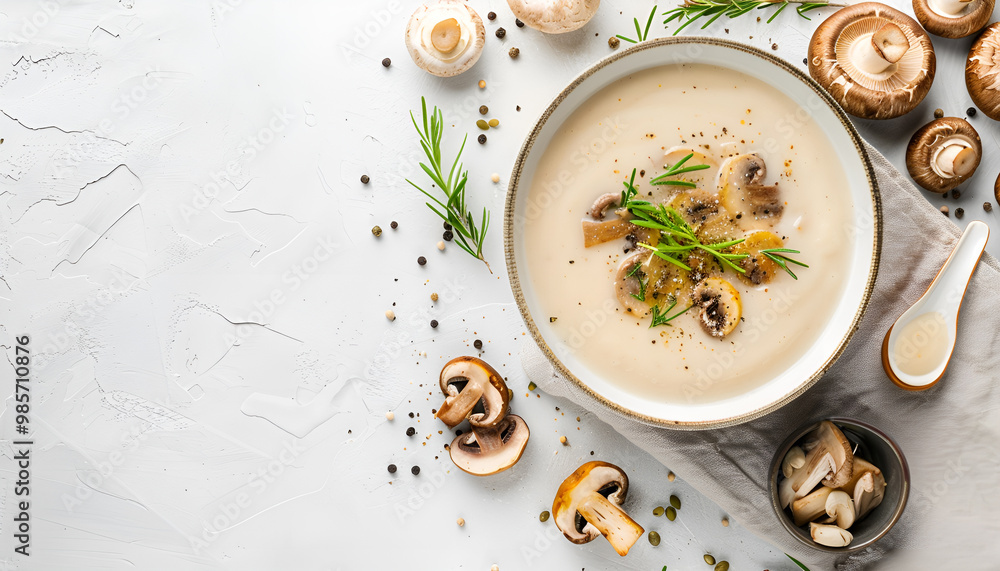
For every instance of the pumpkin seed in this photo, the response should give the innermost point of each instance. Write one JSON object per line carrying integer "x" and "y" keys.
{"x": 676, "y": 502}
{"x": 494, "y": 122}
{"x": 482, "y": 124}
{"x": 658, "y": 511}
{"x": 544, "y": 516}
{"x": 654, "y": 538}
{"x": 722, "y": 566}
{"x": 671, "y": 513}
{"x": 709, "y": 559}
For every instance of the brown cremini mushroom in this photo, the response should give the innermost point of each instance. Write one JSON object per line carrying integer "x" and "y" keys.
{"x": 588, "y": 504}
{"x": 953, "y": 18}
{"x": 943, "y": 154}
{"x": 982, "y": 72}
{"x": 468, "y": 383}
{"x": 719, "y": 304}
{"x": 445, "y": 37}
{"x": 876, "y": 61}
{"x": 486, "y": 451}
{"x": 554, "y": 16}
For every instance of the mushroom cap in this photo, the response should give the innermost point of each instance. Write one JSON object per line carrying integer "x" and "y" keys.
{"x": 486, "y": 451}
{"x": 595, "y": 476}
{"x": 481, "y": 383}
{"x": 929, "y": 144}
{"x": 554, "y": 16}
{"x": 879, "y": 96}
{"x": 982, "y": 72}
{"x": 976, "y": 14}
{"x": 420, "y": 40}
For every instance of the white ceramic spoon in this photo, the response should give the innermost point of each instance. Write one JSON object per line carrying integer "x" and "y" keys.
{"x": 918, "y": 346}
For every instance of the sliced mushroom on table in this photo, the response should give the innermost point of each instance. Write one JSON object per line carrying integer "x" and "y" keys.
{"x": 554, "y": 16}
{"x": 475, "y": 391}
{"x": 953, "y": 18}
{"x": 588, "y": 505}
{"x": 445, "y": 37}
{"x": 943, "y": 154}
{"x": 876, "y": 61}
{"x": 982, "y": 71}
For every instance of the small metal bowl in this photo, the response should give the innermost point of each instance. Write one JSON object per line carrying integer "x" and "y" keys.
{"x": 872, "y": 445}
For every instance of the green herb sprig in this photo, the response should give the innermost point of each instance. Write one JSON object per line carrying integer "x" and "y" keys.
{"x": 797, "y": 562}
{"x": 692, "y": 10}
{"x": 452, "y": 209}
{"x": 635, "y": 271}
{"x": 640, "y": 34}
{"x": 777, "y": 256}
{"x": 675, "y": 169}
{"x": 664, "y": 317}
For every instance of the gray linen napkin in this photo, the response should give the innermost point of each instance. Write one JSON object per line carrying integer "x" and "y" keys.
{"x": 950, "y": 434}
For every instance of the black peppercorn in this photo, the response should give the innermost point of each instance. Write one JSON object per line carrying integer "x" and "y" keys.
{"x": 394, "y": 225}
{"x": 411, "y": 431}
{"x": 422, "y": 261}
{"x": 477, "y": 344}
{"x": 434, "y": 323}
{"x": 513, "y": 53}
{"x": 483, "y": 110}
{"x": 447, "y": 235}
{"x": 956, "y": 193}
{"x": 364, "y": 179}
{"x": 492, "y": 16}
{"x": 613, "y": 43}
{"x": 501, "y": 33}
{"x": 988, "y": 206}
{"x": 971, "y": 111}
{"x": 392, "y": 468}
{"x": 386, "y": 62}
{"x": 447, "y": 226}
{"x": 482, "y": 139}
{"x": 519, "y": 23}
{"x": 959, "y": 212}
{"x": 415, "y": 470}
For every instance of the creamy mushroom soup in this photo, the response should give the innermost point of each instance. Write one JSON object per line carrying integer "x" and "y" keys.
{"x": 771, "y": 195}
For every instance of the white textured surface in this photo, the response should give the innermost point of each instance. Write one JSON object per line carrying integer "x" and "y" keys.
{"x": 184, "y": 230}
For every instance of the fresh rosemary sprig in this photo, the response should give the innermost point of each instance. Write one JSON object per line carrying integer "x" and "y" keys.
{"x": 777, "y": 256}
{"x": 641, "y": 296}
{"x": 468, "y": 235}
{"x": 797, "y": 562}
{"x": 642, "y": 35}
{"x": 692, "y": 10}
{"x": 664, "y": 317}
{"x": 677, "y": 169}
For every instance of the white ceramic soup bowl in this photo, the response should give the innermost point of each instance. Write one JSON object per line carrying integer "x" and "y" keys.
{"x": 864, "y": 243}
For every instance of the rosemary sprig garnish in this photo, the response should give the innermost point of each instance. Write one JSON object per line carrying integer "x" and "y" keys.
{"x": 797, "y": 562}
{"x": 468, "y": 235}
{"x": 692, "y": 10}
{"x": 635, "y": 271}
{"x": 642, "y": 35}
{"x": 677, "y": 169}
{"x": 664, "y": 317}
{"x": 777, "y": 256}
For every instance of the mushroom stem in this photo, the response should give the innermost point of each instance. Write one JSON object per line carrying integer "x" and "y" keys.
{"x": 887, "y": 46}
{"x": 455, "y": 407}
{"x": 620, "y": 530}
{"x": 951, "y": 8}
{"x": 956, "y": 159}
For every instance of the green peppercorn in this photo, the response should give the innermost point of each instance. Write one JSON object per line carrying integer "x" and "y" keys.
{"x": 532, "y": 386}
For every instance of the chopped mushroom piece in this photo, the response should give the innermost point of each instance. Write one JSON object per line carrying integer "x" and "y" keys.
{"x": 876, "y": 61}
{"x": 704, "y": 178}
{"x": 953, "y": 18}
{"x": 445, "y": 37}
{"x": 982, "y": 72}
{"x": 742, "y": 190}
{"x": 486, "y": 451}
{"x": 588, "y": 504}
{"x": 554, "y": 16}
{"x": 629, "y": 282}
{"x": 840, "y": 506}
{"x": 866, "y": 486}
{"x": 469, "y": 382}
{"x": 810, "y": 507}
{"x": 943, "y": 154}
{"x": 720, "y": 306}
{"x": 830, "y": 535}
{"x": 830, "y": 461}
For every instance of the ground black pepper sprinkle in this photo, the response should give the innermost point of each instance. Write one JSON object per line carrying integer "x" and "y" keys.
{"x": 477, "y": 344}
{"x": 394, "y": 225}
{"x": 434, "y": 323}
{"x": 391, "y": 468}
{"x": 364, "y": 179}
{"x": 518, "y": 23}
{"x": 483, "y": 110}
{"x": 386, "y": 62}
{"x": 959, "y": 212}
{"x": 411, "y": 431}
{"x": 492, "y": 16}
{"x": 422, "y": 261}
{"x": 447, "y": 235}
{"x": 971, "y": 111}
{"x": 415, "y": 470}
{"x": 482, "y": 139}
{"x": 988, "y": 206}
{"x": 501, "y": 33}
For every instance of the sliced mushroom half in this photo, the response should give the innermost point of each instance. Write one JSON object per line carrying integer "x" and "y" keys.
{"x": 830, "y": 461}
{"x": 811, "y": 506}
{"x": 759, "y": 268}
{"x": 719, "y": 304}
{"x": 704, "y": 178}
{"x": 876, "y": 61}
{"x": 866, "y": 487}
{"x": 445, "y": 37}
{"x": 486, "y": 451}
{"x": 840, "y": 506}
{"x": 982, "y": 72}
{"x": 830, "y": 535}
{"x": 743, "y": 192}
{"x": 588, "y": 504}
{"x": 474, "y": 390}
{"x": 953, "y": 18}
{"x": 943, "y": 154}
{"x": 631, "y": 282}
{"x": 554, "y": 16}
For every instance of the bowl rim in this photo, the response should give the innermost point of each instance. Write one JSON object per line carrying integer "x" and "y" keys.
{"x": 509, "y": 237}
{"x": 850, "y": 423}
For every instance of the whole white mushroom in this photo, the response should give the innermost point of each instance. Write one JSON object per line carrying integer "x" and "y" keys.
{"x": 554, "y": 16}
{"x": 445, "y": 37}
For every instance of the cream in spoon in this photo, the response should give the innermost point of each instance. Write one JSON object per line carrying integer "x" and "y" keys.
{"x": 917, "y": 348}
